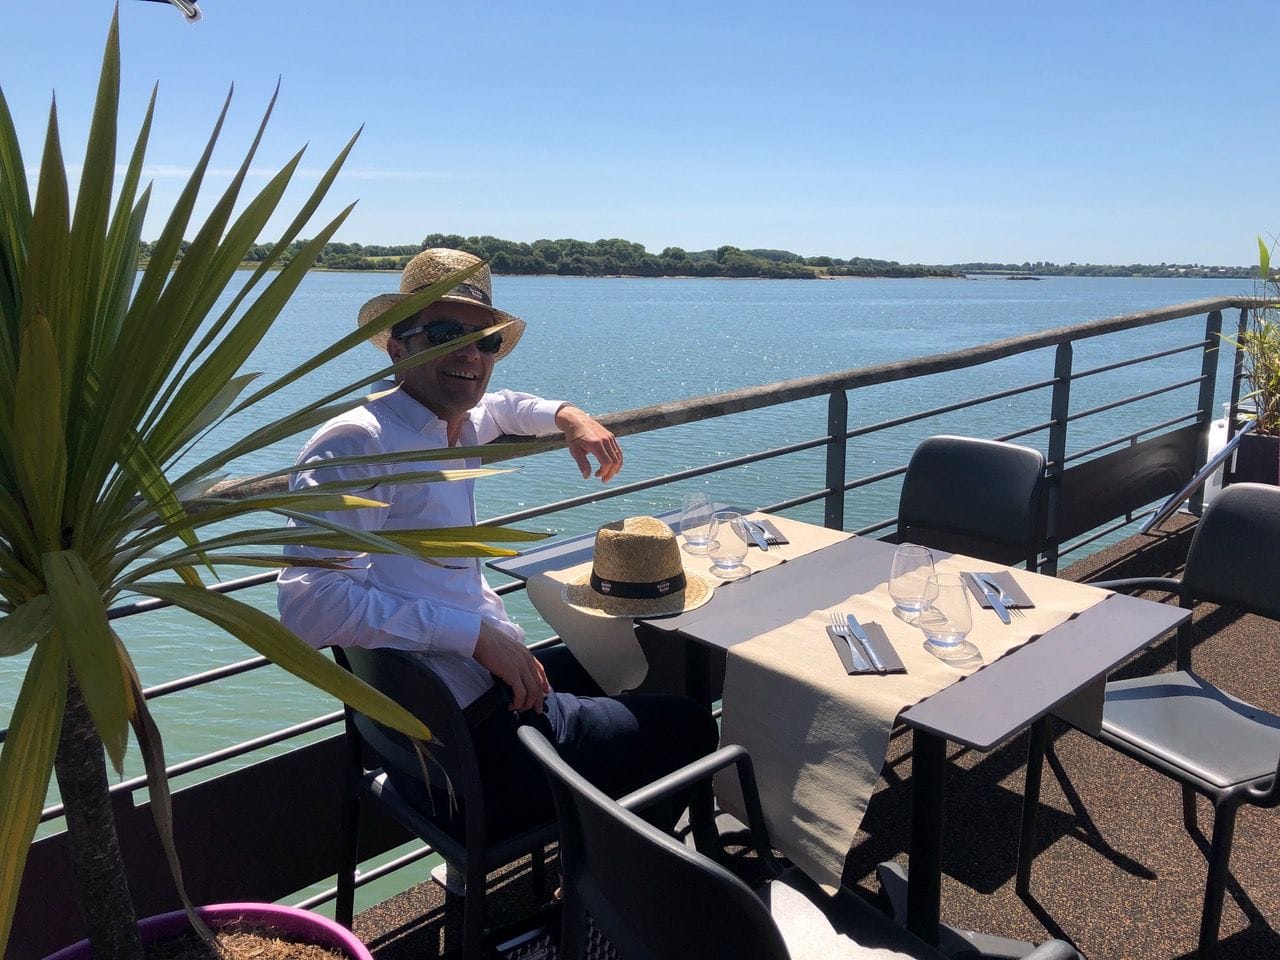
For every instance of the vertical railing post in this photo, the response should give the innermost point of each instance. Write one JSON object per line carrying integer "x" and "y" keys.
{"x": 1208, "y": 387}
{"x": 837, "y": 428}
{"x": 1237, "y": 371}
{"x": 1059, "y": 408}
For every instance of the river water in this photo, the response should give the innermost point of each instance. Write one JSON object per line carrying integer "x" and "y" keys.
{"x": 613, "y": 344}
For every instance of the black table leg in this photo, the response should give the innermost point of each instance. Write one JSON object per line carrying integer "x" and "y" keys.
{"x": 924, "y": 880}
{"x": 702, "y": 805}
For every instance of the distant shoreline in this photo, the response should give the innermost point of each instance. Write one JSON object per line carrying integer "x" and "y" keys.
{"x": 624, "y": 258}
{"x": 959, "y": 276}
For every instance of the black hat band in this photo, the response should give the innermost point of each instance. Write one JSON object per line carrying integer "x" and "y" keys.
{"x": 631, "y": 590}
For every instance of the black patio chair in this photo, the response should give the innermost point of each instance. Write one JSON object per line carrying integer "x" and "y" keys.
{"x": 1180, "y": 724}
{"x": 454, "y": 826}
{"x": 633, "y": 891}
{"x": 982, "y": 498}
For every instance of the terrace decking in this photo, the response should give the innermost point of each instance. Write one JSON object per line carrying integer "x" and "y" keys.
{"x": 1117, "y": 873}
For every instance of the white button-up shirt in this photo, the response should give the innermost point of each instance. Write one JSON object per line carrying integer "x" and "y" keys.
{"x": 385, "y": 600}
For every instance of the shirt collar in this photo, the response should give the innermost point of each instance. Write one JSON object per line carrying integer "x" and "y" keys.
{"x": 419, "y": 418}
{"x": 415, "y": 416}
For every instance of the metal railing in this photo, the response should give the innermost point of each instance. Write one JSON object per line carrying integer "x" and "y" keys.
{"x": 1054, "y": 424}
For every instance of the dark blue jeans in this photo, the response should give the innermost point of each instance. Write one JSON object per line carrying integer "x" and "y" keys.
{"x": 618, "y": 743}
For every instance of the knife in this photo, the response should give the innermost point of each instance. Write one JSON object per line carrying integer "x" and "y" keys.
{"x": 861, "y": 636}
{"x": 756, "y": 532}
{"x": 992, "y": 596}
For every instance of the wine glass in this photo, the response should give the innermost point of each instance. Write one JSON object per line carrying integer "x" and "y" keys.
{"x": 909, "y": 580}
{"x": 695, "y": 522}
{"x": 728, "y": 546}
{"x": 947, "y": 620}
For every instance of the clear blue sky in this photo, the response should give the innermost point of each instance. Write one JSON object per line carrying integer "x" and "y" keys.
{"x": 938, "y": 132}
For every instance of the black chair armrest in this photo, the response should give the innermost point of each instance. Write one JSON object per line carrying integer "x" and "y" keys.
{"x": 1134, "y": 584}
{"x": 702, "y": 769}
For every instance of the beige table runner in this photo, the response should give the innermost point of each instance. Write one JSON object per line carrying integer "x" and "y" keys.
{"x": 607, "y": 646}
{"x": 818, "y": 736}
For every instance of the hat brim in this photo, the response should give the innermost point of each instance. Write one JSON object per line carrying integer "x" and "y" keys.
{"x": 383, "y": 302}
{"x": 579, "y": 595}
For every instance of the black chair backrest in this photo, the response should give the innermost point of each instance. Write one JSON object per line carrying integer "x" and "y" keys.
{"x": 978, "y": 497}
{"x": 646, "y": 894}
{"x": 1234, "y": 558}
{"x": 419, "y": 689}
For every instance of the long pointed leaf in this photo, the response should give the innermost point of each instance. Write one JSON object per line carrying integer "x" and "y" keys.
{"x": 39, "y": 440}
{"x": 89, "y": 225}
{"x": 26, "y": 765}
{"x": 26, "y": 626}
{"x": 81, "y": 619}
{"x": 15, "y": 229}
{"x": 151, "y": 747}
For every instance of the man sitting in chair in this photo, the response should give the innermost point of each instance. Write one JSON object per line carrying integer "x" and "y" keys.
{"x": 447, "y": 614}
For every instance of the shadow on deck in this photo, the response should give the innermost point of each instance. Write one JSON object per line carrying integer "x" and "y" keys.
{"x": 1117, "y": 874}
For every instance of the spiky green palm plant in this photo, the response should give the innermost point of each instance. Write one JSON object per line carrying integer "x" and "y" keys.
{"x": 108, "y": 378}
{"x": 1260, "y": 343}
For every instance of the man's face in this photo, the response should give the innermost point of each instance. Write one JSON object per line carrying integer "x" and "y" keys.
{"x": 450, "y": 385}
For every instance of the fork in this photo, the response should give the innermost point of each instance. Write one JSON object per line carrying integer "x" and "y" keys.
{"x": 1005, "y": 598}
{"x": 769, "y": 538}
{"x": 840, "y": 627}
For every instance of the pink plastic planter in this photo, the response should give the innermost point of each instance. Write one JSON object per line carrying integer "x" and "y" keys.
{"x": 288, "y": 920}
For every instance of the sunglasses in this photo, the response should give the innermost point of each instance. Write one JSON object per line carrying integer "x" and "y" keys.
{"x": 444, "y": 331}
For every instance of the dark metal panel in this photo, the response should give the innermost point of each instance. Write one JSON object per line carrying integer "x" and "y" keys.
{"x": 260, "y": 833}
{"x": 1115, "y": 484}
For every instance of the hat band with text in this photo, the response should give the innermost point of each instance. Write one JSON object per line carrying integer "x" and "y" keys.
{"x": 468, "y": 290}
{"x": 644, "y": 590}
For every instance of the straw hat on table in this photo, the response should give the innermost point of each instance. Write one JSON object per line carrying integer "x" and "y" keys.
{"x": 637, "y": 570}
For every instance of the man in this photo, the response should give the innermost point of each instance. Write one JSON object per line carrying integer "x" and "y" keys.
{"x": 446, "y": 613}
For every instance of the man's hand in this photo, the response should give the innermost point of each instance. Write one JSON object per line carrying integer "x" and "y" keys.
{"x": 588, "y": 437}
{"x": 508, "y": 659}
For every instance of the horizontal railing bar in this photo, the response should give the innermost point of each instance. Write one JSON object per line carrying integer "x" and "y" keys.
{"x": 1027, "y": 431}
{"x": 1099, "y": 534}
{"x": 218, "y": 756}
{"x": 662, "y": 480}
{"x": 949, "y": 408}
{"x": 874, "y": 478}
{"x": 209, "y": 676}
{"x": 876, "y": 527}
{"x": 155, "y": 603}
{"x": 194, "y": 680}
{"x": 1106, "y": 368}
{"x": 796, "y": 501}
{"x": 1146, "y": 395}
{"x": 368, "y": 876}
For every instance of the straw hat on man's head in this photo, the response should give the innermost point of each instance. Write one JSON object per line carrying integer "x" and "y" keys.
{"x": 434, "y": 265}
{"x": 637, "y": 571}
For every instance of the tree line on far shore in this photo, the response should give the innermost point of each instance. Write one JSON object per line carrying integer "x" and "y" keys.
{"x": 608, "y": 258}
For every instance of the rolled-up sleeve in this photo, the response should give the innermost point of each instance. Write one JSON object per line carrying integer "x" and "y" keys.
{"x": 521, "y": 414}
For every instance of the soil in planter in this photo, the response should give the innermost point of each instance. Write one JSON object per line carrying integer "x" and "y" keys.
{"x": 239, "y": 945}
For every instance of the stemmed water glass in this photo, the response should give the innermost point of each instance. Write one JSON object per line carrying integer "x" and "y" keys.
{"x": 695, "y": 522}
{"x": 909, "y": 580}
{"x": 728, "y": 546}
{"x": 947, "y": 620}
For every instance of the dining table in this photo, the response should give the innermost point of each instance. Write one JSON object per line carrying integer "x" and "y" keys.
{"x": 1058, "y": 671}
